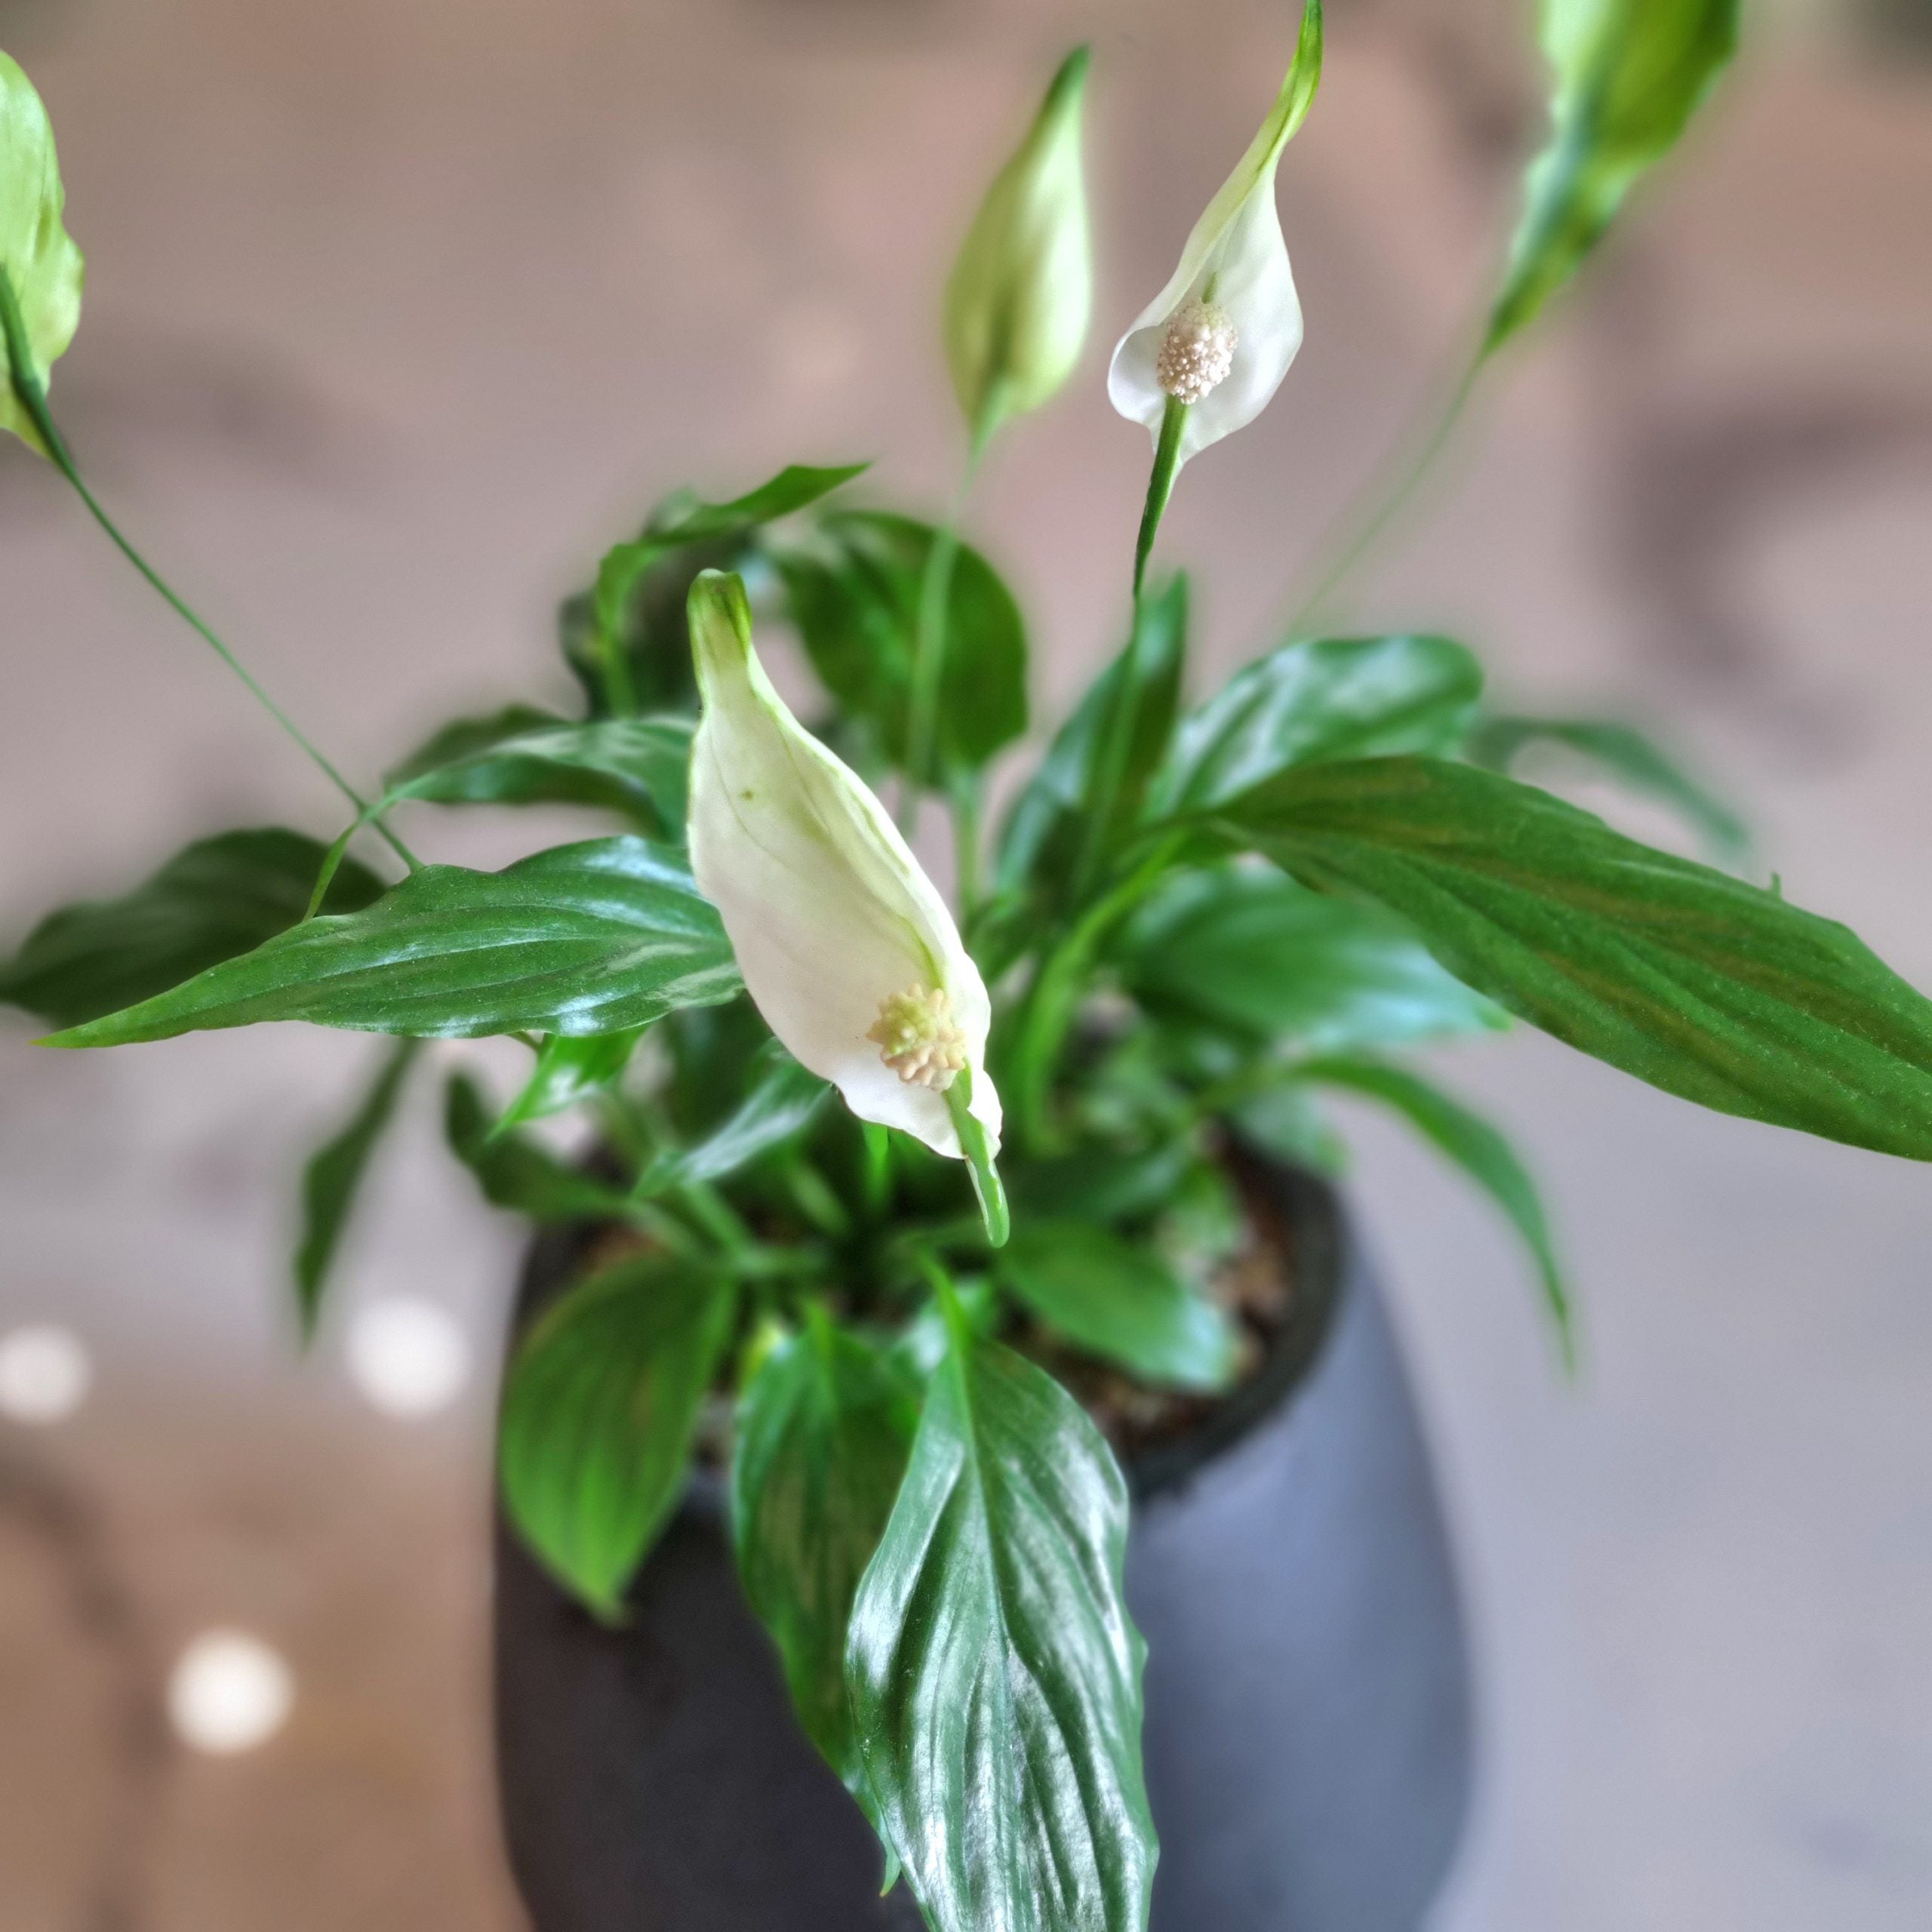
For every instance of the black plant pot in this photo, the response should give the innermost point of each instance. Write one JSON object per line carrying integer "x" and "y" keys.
{"x": 1308, "y": 1699}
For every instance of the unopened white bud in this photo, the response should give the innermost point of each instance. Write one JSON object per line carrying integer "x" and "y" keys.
{"x": 917, "y": 1038}
{"x": 1197, "y": 352}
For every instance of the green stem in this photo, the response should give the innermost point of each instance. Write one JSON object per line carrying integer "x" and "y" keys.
{"x": 929, "y": 647}
{"x": 1377, "y": 505}
{"x": 1047, "y": 1014}
{"x": 966, "y": 846}
{"x": 32, "y": 394}
{"x": 1160, "y": 486}
{"x": 977, "y": 1151}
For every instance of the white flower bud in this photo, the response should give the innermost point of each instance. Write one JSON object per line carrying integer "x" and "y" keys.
{"x": 846, "y": 947}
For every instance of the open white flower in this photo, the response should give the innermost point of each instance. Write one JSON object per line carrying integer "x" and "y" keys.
{"x": 1220, "y": 337}
{"x": 845, "y": 946}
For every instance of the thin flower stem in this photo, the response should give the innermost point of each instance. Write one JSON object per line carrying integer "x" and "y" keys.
{"x": 32, "y": 395}
{"x": 929, "y": 647}
{"x": 1160, "y": 486}
{"x": 1376, "y": 506}
{"x": 965, "y": 797}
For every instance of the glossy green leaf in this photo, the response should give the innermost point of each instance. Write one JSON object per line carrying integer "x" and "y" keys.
{"x": 778, "y": 1104}
{"x": 599, "y": 1408}
{"x": 570, "y": 1070}
{"x": 637, "y": 766}
{"x": 626, "y": 636}
{"x": 37, "y": 257}
{"x": 592, "y": 938}
{"x": 334, "y": 1177}
{"x": 994, "y": 1675}
{"x": 1629, "y": 75}
{"x": 1119, "y": 1300}
{"x": 1323, "y": 698}
{"x": 218, "y": 898}
{"x": 824, "y": 1427}
{"x": 853, "y": 591}
{"x": 1625, "y": 753}
{"x": 1692, "y": 980}
{"x": 1256, "y": 953}
{"x": 517, "y": 1173}
{"x": 1474, "y": 1146}
{"x": 1093, "y": 779}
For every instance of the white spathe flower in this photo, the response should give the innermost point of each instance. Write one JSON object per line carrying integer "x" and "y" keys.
{"x": 845, "y": 946}
{"x": 1221, "y": 336}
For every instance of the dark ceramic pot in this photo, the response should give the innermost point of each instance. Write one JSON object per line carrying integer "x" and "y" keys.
{"x": 1308, "y": 1699}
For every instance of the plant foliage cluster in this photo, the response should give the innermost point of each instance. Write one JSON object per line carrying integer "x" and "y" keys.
{"x": 1198, "y": 916}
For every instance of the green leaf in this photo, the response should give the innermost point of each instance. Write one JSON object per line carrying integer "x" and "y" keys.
{"x": 1694, "y": 981}
{"x": 1474, "y": 1146}
{"x": 37, "y": 256}
{"x": 1629, "y": 75}
{"x": 636, "y": 766}
{"x": 854, "y": 593}
{"x": 1092, "y": 783}
{"x": 625, "y": 638}
{"x": 570, "y": 1069}
{"x": 598, "y": 1412}
{"x": 781, "y": 1101}
{"x": 592, "y": 938}
{"x": 1624, "y": 753}
{"x": 824, "y": 1427}
{"x": 219, "y": 897}
{"x": 1255, "y": 952}
{"x": 1119, "y": 1300}
{"x": 1325, "y": 698}
{"x": 516, "y": 1173}
{"x": 332, "y": 1178}
{"x": 995, "y": 1677}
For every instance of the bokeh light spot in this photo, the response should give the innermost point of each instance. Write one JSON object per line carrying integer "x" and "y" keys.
{"x": 45, "y": 1373}
{"x": 407, "y": 1356}
{"x": 229, "y": 1692}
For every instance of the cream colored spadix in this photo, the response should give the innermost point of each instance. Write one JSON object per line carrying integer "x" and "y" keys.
{"x": 845, "y": 946}
{"x": 1220, "y": 337}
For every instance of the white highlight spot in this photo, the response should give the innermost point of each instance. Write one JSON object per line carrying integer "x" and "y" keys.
{"x": 409, "y": 1357}
{"x": 229, "y": 1693}
{"x": 45, "y": 1373}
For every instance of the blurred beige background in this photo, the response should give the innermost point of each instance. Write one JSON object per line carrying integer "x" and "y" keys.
{"x": 398, "y": 312}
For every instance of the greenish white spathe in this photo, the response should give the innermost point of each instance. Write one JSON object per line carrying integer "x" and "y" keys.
{"x": 845, "y": 945}
{"x": 1222, "y": 334}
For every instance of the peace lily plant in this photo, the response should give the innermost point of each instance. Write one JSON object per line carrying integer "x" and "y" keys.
{"x": 885, "y": 1171}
